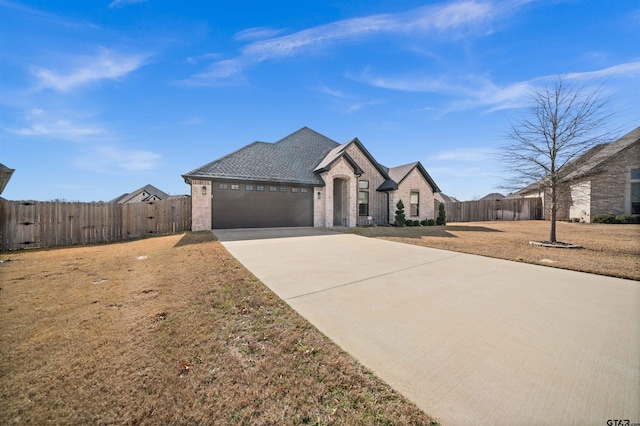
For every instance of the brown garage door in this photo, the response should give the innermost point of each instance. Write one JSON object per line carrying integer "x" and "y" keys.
{"x": 260, "y": 205}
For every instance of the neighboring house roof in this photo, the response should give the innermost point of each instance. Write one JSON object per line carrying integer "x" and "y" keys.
{"x": 444, "y": 198}
{"x": 152, "y": 193}
{"x": 5, "y": 175}
{"x": 591, "y": 162}
{"x": 399, "y": 173}
{"x": 292, "y": 159}
{"x": 492, "y": 196}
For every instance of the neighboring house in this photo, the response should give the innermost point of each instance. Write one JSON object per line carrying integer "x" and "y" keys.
{"x": 305, "y": 179}
{"x": 5, "y": 175}
{"x": 146, "y": 193}
{"x": 604, "y": 180}
{"x": 492, "y": 197}
{"x": 444, "y": 198}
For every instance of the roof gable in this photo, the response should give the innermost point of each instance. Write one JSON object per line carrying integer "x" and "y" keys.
{"x": 291, "y": 159}
{"x": 341, "y": 152}
{"x": 398, "y": 174}
{"x": 152, "y": 192}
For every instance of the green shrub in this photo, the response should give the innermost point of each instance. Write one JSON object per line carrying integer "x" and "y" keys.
{"x": 431, "y": 222}
{"x": 424, "y": 222}
{"x": 408, "y": 222}
{"x": 400, "y": 214}
{"x": 603, "y": 218}
{"x": 442, "y": 215}
{"x": 626, "y": 218}
{"x": 416, "y": 223}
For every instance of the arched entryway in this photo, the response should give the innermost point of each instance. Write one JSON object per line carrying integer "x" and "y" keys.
{"x": 340, "y": 202}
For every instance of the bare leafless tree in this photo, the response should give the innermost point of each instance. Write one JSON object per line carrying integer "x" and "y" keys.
{"x": 561, "y": 123}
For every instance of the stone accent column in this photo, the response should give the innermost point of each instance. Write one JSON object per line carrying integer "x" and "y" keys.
{"x": 319, "y": 207}
{"x": 201, "y": 205}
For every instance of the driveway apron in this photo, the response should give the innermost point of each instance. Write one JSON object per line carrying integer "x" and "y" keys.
{"x": 469, "y": 339}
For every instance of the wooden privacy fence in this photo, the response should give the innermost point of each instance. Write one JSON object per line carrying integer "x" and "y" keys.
{"x": 487, "y": 210}
{"x": 34, "y": 224}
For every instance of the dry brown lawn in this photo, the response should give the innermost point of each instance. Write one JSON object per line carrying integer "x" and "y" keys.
{"x": 169, "y": 330}
{"x": 607, "y": 249}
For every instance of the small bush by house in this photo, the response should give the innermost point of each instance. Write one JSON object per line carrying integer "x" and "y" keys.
{"x": 626, "y": 218}
{"x": 400, "y": 218}
{"x": 603, "y": 218}
{"x": 442, "y": 215}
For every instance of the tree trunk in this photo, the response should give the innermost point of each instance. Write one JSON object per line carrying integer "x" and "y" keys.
{"x": 552, "y": 232}
{"x": 554, "y": 212}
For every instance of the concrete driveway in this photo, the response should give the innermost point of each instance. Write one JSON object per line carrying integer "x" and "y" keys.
{"x": 469, "y": 339}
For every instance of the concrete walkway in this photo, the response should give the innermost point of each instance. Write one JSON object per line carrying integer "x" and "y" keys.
{"x": 469, "y": 339}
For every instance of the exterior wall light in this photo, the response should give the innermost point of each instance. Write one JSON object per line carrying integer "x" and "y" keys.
{"x": 319, "y": 193}
{"x": 204, "y": 190}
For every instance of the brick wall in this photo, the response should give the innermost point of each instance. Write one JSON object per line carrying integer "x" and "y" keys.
{"x": 413, "y": 182}
{"x": 610, "y": 190}
{"x": 378, "y": 209}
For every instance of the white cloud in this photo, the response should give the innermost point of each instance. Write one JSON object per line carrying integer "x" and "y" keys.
{"x": 216, "y": 74}
{"x": 122, "y": 3}
{"x": 473, "y": 91}
{"x": 464, "y": 154}
{"x": 107, "y": 64}
{"x": 452, "y": 20}
{"x": 331, "y": 92}
{"x": 192, "y": 121}
{"x": 112, "y": 159}
{"x": 360, "y": 105}
{"x": 257, "y": 33}
{"x": 629, "y": 69}
{"x": 205, "y": 57}
{"x": 40, "y": 123}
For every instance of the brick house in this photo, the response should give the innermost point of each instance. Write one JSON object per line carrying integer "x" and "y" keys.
{"x": 604, "y": 180}
{"x": 306, "y": 179}
{"x": 145, "y": 194}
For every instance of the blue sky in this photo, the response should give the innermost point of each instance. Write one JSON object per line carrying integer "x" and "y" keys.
{"x": 98, "y": 98}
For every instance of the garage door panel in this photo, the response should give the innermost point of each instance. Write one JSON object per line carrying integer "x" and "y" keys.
{"x": 239, "y": 208}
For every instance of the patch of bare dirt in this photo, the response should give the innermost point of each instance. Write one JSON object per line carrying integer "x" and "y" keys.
{"x": 169, "y": 330}
{"x": 612, "y": 250}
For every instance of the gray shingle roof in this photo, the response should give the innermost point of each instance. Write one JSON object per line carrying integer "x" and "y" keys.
{"x": 292, "y": 159}
{"x": 149, "y": 189}
{"x": 5, "y": 175}
{"x": 591, "y": 161}
{"x": 493, "y": 196}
